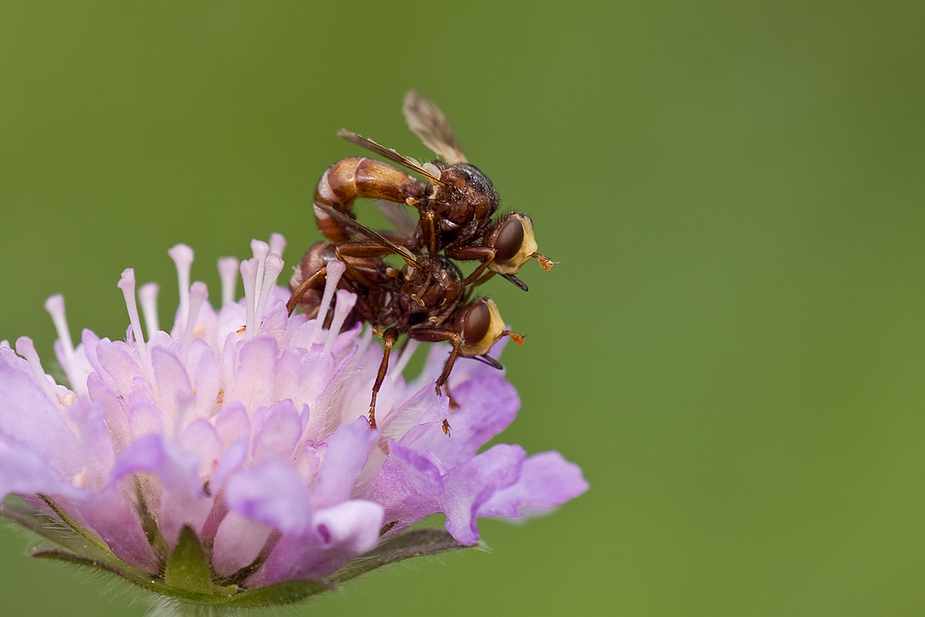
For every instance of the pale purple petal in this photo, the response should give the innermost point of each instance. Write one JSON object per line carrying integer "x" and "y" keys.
{"x": 201, "y": 439}
{"x": 207, "y": 378}
{"x": 145, "y": 418}
{"x": 487, "y": 405}
{"x": 96, "y": 441}
{"x": 272, "y": 493}
{"x": 109, "y": 514}
{"x": 347, "y": 526}
{"x": 237, "y": 543}
{"x": 174, "y": 392}
{"x": 118, "y": 364}
{"x": 232, "y": 423}
{"x": 24, "y": 471}
{"x": 117, "y": 418}
{"x": 31, "y": 421}
{"x": 277, "y": 435}
{"x": 470, "y": 485}
{"x": 408, "y": 487}
{"x": 232, "y": 460}
{"x": 182, "y": 501}
{"x": 88, "y": 342}
{"x": 343, "y": 456}
{"x": 153, "y": 453}
{"x": 337, "y": 535}
{"x": 546, "y": 481}
{"x": 254, "y": 374}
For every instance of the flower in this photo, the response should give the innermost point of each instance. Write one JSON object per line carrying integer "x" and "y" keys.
{"x": 230, "y": 460}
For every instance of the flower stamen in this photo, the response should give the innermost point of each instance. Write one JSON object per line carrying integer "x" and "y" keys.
{"x": 334, "y": 269}
{"x": 228, "y": 272}
{"x": 127, "y": 285}
{"x": 277, "y": 243}
{"x": 55, "y": 307}
{"x": 182, "y": 257}
{"x": 198, "y": 294}
{"x": 249, "y": 278}
{"x": 342, "y": 308}
{"x": 147, "y": 294}
{"x": 260, "y": 249}
{"x": 410, "y": 346}
{"x": 273, "y": 265}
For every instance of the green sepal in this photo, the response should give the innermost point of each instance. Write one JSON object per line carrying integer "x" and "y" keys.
{"x": 187, "y": 568}
{"x": 408, "y": 544}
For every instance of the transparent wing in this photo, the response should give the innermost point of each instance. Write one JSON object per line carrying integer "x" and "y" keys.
{"x": 391, "y": 154}
{"x": 426, "y": 121}
{"x": 399, "y": 216}
{"x": 363, "y": 230}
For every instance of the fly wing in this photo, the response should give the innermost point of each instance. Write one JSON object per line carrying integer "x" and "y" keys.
{"x": 426, "y": 121}
{"x": 406, "y": 161}
{"x": 397, "y": 214}
{"x": 363, "y": 230}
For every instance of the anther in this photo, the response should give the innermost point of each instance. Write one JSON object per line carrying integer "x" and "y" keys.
{"x": 55, "y": 307}
{"x": 260, "y": 249}
{"x": 277, "y": 243}
{"x": 182, "y": 256}
{"x": 127, "y": 285}
{"x": 334, "y": 269}
{"x": 228, "y": 272}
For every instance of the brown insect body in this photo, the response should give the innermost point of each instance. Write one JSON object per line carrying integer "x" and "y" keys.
{"x": 371, "y": 279}
{"x": 462, "y": 206}
{"x": 350, "y": 178}
{"x": 428, "y": 300}
{"x": 455, "y": 206}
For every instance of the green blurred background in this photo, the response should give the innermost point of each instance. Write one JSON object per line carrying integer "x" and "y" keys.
{"x": 731, "y": 347}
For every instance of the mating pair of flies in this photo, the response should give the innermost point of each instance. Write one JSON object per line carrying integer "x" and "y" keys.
{"x": 428, "y": 298}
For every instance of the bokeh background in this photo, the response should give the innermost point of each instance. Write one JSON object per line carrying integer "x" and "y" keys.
{"x": 732, "y": 347}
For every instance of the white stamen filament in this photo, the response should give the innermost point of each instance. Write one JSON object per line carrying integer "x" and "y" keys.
{"x": 147, "y": 295}
{"x": 249, "y": 277}
{"x": 198, "y": 294}
{"x": 274, "y": 265}
{"x": 334, "y": 270}
{"x": 55, "y": 307}
{"x": 182, "y": 256}
{"x": 403, "y": 359}
{"x": 127, "y": 285}
{"x": 228, "y": 272}
{"x": 342, "y": 308}
{"x": 260, "y": 249}
{"x": 366, "y": 337}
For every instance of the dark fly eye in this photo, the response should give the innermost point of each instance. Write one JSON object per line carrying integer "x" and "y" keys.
{"x": 477, "y": 322}
{"x": 509, "y": 240}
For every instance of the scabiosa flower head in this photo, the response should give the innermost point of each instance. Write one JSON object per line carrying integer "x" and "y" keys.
{"x": 229, "y": 461}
